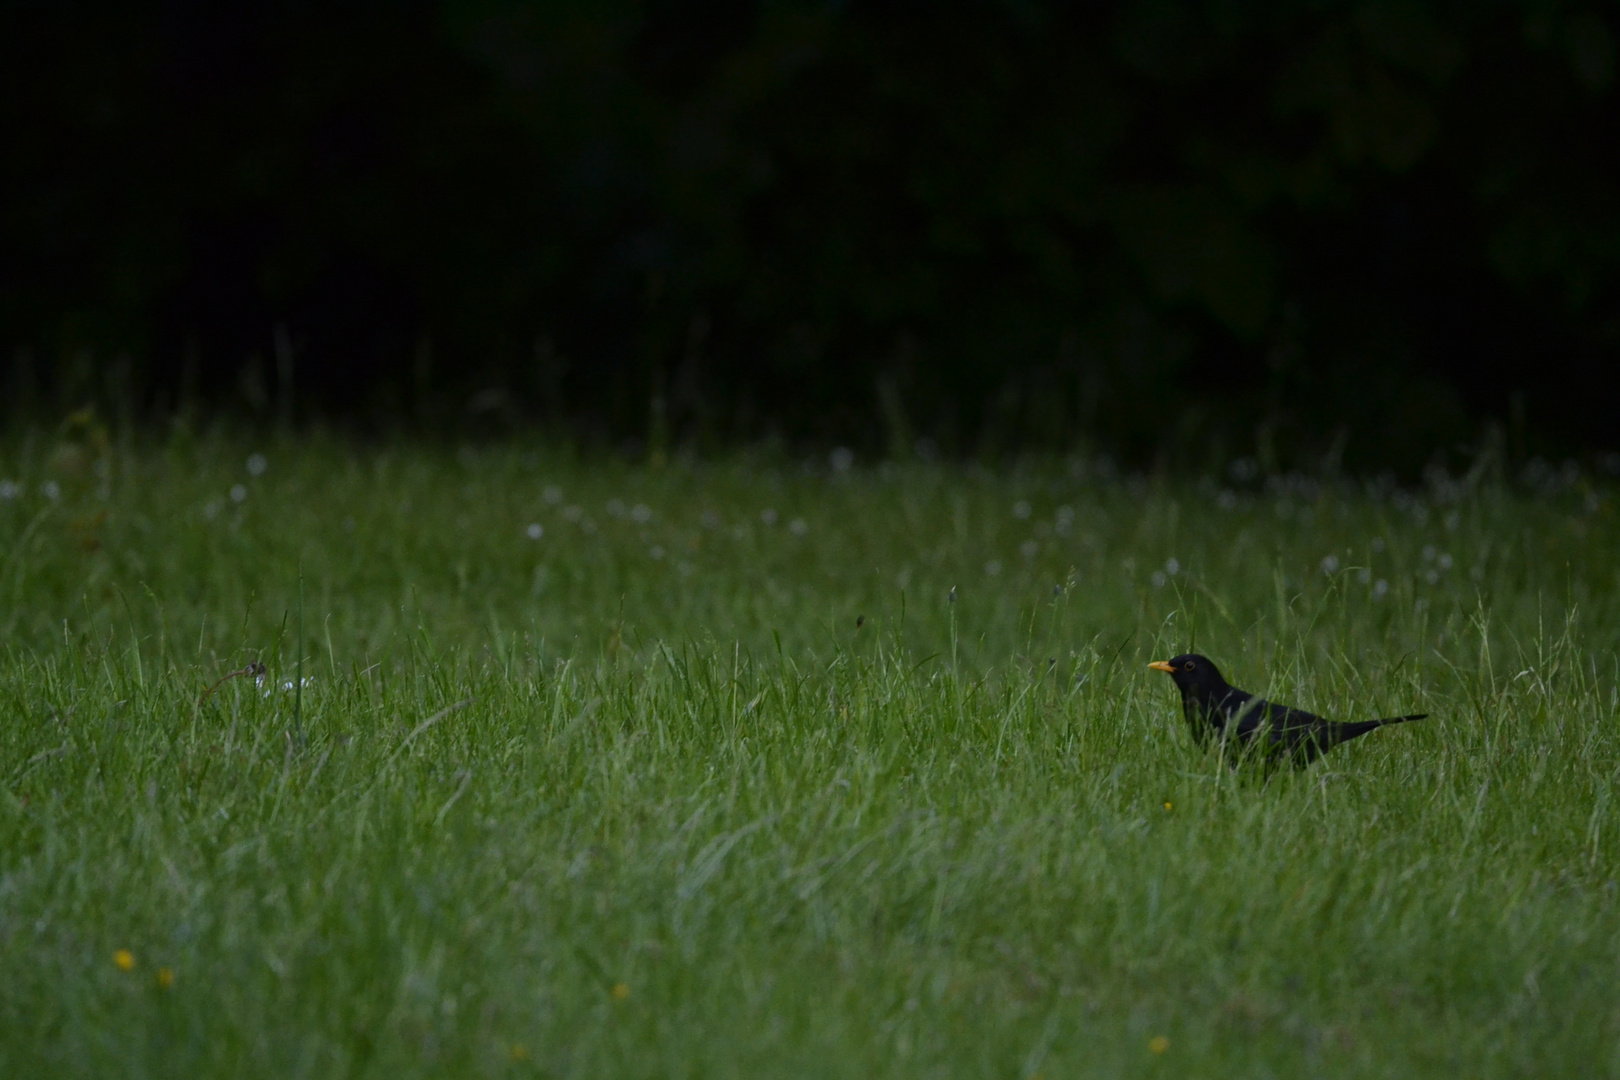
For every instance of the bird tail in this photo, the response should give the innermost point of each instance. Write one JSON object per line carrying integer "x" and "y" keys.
{"x": 1361, "y": 727}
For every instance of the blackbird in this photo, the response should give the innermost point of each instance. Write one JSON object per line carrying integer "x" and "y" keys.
{"x": 1244, "y": 723}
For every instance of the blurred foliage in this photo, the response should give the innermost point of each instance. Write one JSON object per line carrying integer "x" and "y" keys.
{"x": 1147, "y": 227}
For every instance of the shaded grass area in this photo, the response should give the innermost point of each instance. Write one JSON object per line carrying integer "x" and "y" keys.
{"x": 635, "y": 796}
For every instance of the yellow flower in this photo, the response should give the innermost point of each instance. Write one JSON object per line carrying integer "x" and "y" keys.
{"x": 1159, "y": 1044}
{"x": 620, "y": 991}
{"x": 165, "y": 977}
{"x": 1167, "y": 806}
{"x": 124, "y": 959}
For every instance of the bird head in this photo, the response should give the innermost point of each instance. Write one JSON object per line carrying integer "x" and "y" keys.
{"x": 1193, "y": 674}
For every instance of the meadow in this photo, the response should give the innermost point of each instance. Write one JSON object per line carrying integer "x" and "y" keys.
{"x": 559, "y": 766}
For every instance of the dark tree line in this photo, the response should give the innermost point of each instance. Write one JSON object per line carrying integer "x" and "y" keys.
{"x": 1144, "y": 226}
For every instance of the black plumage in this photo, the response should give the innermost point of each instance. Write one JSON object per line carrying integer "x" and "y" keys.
{"x": 1241, "y": 722}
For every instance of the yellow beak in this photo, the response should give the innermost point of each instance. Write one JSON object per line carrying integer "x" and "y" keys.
{"x": 1164, "y": 666}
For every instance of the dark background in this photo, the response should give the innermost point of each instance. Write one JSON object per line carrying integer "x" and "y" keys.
{"x": 1372, "y": 232}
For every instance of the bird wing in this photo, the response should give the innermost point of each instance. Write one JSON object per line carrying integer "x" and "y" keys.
{"x": 1208, "y": 717}
{"x": 1281, "y": 728}
{"x": 1255, "y": 715}
{"x": 1273, "y": 729}
{"x": 1309, "y": 736}
{"x": 1229, "y": 712}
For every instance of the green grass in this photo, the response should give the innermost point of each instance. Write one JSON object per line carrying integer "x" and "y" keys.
{"x": 638, "y": 798}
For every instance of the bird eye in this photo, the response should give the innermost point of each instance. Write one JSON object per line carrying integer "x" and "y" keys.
{"x": 1188, "y": 666}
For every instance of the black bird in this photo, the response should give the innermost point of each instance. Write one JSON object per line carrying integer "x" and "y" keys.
{"x": 1240, "y": 721}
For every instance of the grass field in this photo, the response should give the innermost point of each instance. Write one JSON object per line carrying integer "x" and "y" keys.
{"x": 569, "y": 768}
